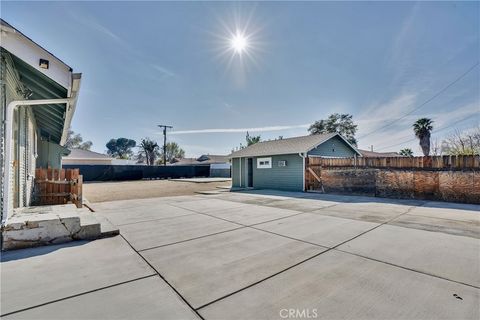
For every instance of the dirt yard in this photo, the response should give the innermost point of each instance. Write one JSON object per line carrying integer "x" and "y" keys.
{"x": 110, "y": 191}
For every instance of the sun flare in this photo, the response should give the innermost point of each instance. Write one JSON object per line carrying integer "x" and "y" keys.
{"x": 239, "y": 42}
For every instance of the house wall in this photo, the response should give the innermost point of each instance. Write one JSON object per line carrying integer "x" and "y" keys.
{"x": 288, "y": 178}
{"x": 50, "y": 154}
{"x": 24, "y": 127}
{"x": 21, "y": 179}
{"x": 334, "y": 147}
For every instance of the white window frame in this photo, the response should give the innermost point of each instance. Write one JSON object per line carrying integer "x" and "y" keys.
{"x": 264, "y": 163}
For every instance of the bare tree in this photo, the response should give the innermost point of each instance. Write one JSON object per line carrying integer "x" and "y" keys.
{"x": 436, "y": 148}
{"x": 462, "y": 143}
{"x": 75, "y": 141}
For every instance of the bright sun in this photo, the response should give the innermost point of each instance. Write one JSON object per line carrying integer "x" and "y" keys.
{"x": 239, "y": 42}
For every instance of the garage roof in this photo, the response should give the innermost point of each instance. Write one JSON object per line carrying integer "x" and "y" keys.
{"x": 301, "y": 144}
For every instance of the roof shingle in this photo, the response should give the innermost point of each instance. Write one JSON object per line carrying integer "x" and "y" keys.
{"x": 283, "y": 146}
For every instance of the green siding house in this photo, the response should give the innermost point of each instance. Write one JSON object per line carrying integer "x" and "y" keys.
{"x": 280, "y": 164}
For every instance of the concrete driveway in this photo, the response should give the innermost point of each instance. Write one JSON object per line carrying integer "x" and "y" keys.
{"x": 257, "y": 255}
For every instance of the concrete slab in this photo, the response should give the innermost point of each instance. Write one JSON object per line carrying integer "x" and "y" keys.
{"x": 143, "y": 213}
{"x": 304, "y": 205}
{"x": 345, "y": 198}
{"x": 452, "y": 257}
{"x": 140, "y": 203}
{"x": 314, "y": 228}
{"x": 202, "y": 180}
{"x": 149, "y": 298}
{"x": 206, "y": 269}
{"x": 252, "y": 214}
{"x": 208, "y": 206}
{"x": 372, "y": 207}
{"x": 35, "y": 276}
{"x": 211, "y": 192}
{"x": 247, "y": 198}
{"x": 275, "y": 194}
{"x": 144, "y": 235}
{"x": 369, "y": 212}
{"x": 455, "y": 227}
{"x": 453, "y": 206}
{"x": 451, "y": 211}
{"x": 336, "y": 285}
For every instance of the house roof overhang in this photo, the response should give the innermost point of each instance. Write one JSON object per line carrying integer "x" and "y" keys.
{"x": 56, "y": 82}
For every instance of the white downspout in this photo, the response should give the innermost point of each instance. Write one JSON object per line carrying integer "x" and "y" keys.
{"x": 303, "y": 158}
{"x": 240, "y": 166}
{"x": 7, "y": 166}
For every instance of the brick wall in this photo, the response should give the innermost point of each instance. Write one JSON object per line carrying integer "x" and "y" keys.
{"x": 455, "y": 186}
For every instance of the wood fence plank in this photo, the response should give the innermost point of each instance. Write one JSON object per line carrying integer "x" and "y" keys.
{"x": 58, "y": 186}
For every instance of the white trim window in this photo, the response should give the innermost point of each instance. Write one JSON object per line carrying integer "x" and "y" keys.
{"x": 264, "y": 163}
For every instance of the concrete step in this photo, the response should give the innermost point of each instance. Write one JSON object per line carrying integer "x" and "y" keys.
{"x": 108, "y": 229}
{"x": 89, "y": 226}
{"x": 95, "y": 226}
{"x": 37, "y": 226}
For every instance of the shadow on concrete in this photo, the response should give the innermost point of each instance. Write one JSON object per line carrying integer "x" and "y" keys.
{"x": 359, "y": 199}
{"x": 37, "y": 251}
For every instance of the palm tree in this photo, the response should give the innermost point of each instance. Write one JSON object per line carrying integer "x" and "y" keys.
{"x": 423, "y": 128}
{"x": 149, "y": 149}
{"x": 407, "y": 152}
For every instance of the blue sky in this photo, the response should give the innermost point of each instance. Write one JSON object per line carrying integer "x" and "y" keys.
{"x": 149, "y": 63}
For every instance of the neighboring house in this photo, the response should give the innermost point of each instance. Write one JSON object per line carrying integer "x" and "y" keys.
{"x": 82, "y": 157}
{"x": 185, "y": 162}
{"x": 372, "y": 154}
{"x": 202, "y": 160}
{"x": 38, "y": 100}
{"x": 280, "y": 164}
{"x": 219, "y": 164}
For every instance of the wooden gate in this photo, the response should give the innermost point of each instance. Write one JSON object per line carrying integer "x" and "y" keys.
{"x": 58, "y": 186}
{"x": 313, "y": 174}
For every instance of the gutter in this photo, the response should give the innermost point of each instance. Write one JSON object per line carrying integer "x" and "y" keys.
{"x": 70, "y": 110}
{"x": 9, "y": 142}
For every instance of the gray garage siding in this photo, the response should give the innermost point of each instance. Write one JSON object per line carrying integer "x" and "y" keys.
{"x": 235, "y": 173}
{"x": 334, "y": 147}
{"x": 281, "y": 178}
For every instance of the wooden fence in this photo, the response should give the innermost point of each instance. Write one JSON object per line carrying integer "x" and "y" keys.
{"x": 58, "y": 186}
{"x": 434, "y": 162}
{"x": 447, "y": 178}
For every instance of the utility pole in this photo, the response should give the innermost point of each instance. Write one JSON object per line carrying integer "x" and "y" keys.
{"x": 165, "y": 142}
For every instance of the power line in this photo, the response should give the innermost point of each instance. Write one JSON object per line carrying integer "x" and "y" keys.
{"x": 425, "y": 102}
{"x": 435, "y": 131}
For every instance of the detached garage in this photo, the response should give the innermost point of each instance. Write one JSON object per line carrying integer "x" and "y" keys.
{"x": 280, "y": 164}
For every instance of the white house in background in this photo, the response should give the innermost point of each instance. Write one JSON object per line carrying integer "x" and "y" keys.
{"x": 82, "y": 157}
{"x": 78, "y": 157}
{"x": 38, "y": 99}
{"x": 220, "y": 165}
